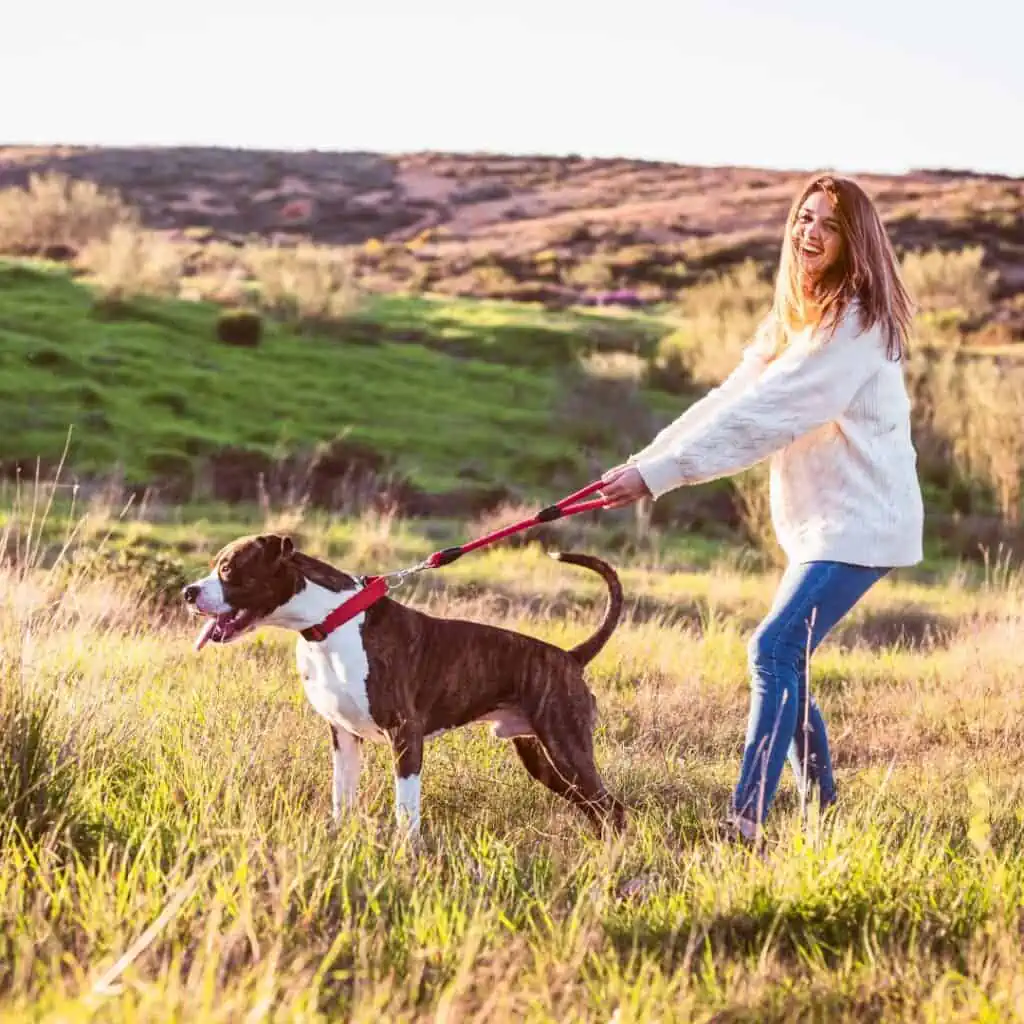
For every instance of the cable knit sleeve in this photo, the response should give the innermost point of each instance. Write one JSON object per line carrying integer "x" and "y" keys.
{"x": 755, "y": 358}
{"x": 809, "y": 385}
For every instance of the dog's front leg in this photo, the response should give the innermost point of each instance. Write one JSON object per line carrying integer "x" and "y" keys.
{"x": 407, "y": 741}
{"x": 347, "y": 758}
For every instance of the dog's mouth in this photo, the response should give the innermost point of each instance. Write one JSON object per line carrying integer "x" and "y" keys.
{"x": 223, "y": 628}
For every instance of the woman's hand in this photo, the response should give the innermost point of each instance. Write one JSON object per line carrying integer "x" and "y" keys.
{"x": 623, "y": 486}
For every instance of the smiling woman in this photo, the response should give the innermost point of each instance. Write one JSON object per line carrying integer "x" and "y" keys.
{"x": 817, "y": 236}
{"x": 820, "y": 392}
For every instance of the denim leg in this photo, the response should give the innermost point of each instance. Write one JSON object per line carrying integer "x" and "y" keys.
{"x": 811, "y": 599}
{"x": 809, "y": 753}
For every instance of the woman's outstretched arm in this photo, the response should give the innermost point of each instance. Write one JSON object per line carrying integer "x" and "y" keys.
{"x": 755, "y": 357}
{"x": 805, "y": 388}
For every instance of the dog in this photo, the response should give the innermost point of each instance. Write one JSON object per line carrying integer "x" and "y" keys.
{"x": 395, "y": 674}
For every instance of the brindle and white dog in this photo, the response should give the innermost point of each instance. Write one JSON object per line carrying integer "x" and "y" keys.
{"x": 396, "y": 674}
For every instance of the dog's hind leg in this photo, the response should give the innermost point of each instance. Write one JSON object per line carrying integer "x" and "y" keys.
{"x": 574, "y": 777}
{"x": 346, "y": 755}
{"x": 407, "y": 743}
{"x": 536, "y": 762}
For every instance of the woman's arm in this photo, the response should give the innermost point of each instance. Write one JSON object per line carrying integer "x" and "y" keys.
{"x": 754, "y": 359}
{"x": 805, "y": 388}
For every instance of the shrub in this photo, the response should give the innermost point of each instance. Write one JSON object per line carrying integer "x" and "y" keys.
{"x": 717, "y": 319}
{"x": 590, "y": 274}
{"x": 58, "y": 214}
{"x": 967, "y": 416}
{"x": 132, "y": 262}
{"x": 153, "y": 577}
{"x": 240, "y": 328}
{"x": 305, "y": 284}
{"x": 957, "y": 281}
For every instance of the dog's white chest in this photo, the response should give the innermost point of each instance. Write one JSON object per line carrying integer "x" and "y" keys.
{"x": 334, "y": 676}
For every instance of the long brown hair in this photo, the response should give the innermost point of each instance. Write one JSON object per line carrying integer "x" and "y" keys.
{"x": 866, "y": 270}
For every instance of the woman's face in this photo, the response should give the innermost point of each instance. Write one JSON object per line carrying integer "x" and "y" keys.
{"x": 816, "y": 236}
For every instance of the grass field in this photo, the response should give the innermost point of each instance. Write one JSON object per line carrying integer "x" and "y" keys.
{"x": 165, "y": 852}
{"x": 165, "y": 846}
{"x": 151, "y": 391}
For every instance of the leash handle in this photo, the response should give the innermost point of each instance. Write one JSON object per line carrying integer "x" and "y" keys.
{"x": 568, "y": 506}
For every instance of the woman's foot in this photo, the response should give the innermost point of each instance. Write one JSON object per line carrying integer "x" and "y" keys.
{"x": 742, "y": 831}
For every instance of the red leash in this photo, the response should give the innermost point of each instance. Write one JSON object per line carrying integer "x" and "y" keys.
{"x": 376, "y": 587}
{"x": 559, "y": 510}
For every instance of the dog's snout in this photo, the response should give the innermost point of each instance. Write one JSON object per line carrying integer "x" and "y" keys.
{"x": 191, "y": 593}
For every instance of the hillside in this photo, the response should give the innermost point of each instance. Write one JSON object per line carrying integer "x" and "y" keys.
{"x": 398, "y": 357}
{"x": 484, "y": 404}
{"x": 554, "y": 229}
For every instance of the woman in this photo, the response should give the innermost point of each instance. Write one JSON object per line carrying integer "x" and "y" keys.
{"x": 820, "y": 391}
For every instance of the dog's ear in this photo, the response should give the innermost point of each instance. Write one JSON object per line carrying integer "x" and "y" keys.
{"x": 276, "y": 547}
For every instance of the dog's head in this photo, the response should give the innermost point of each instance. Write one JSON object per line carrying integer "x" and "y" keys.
{"x": 253, "y": 578}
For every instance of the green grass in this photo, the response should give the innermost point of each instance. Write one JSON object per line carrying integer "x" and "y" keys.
{"x": 151, "y": 391}
{"x": 512, "y": 333}
{"x": 176, "y": 861}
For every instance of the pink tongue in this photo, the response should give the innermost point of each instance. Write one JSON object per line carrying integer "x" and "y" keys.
{"x": 205, "y": 633}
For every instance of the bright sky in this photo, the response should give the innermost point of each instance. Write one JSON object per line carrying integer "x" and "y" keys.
{"x": 855, "y": 85}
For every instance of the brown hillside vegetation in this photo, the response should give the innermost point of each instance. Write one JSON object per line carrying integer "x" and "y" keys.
{"x": 548, "y": 228}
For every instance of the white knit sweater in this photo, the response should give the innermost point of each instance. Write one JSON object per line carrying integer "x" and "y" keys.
{"x": 834, "y": 416}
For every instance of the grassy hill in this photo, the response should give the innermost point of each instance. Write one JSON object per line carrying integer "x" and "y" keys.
{"x": 394, "y": 357}
{"x": 478, "y": 398}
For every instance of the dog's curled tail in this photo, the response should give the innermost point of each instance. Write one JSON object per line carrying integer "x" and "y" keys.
{"x": 589, "y": 649}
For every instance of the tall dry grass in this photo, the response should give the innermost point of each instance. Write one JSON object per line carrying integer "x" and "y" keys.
{"x": 171, "y": 857}
{"x": 966, "y": 416}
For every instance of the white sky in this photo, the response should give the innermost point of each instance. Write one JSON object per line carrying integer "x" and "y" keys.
{"x": 855, "y": 85}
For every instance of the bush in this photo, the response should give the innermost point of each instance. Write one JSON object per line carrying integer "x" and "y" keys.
{"x": 153, "y": 577}
{"x": 590, "y": 274}
{"x": 240, "y": 328}
{"x": 717, "y": 319}
{"x": 132, "y": 262}
{"x": 967, "y": 416}
{"x": 305, "y": 284}
{"x": 951, "y": 281}
{"x": 57, "y": 214}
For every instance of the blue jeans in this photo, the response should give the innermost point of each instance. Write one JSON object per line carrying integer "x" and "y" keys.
{"x": 784, "y": 719}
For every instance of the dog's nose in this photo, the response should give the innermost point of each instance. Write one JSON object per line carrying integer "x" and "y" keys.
{"x": 191, "y": 593}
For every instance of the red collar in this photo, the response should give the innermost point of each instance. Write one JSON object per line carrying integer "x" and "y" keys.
{"x": 375, "y": 587}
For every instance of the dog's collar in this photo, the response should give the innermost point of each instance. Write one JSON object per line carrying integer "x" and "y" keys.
{"x": 374, "y": 588}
